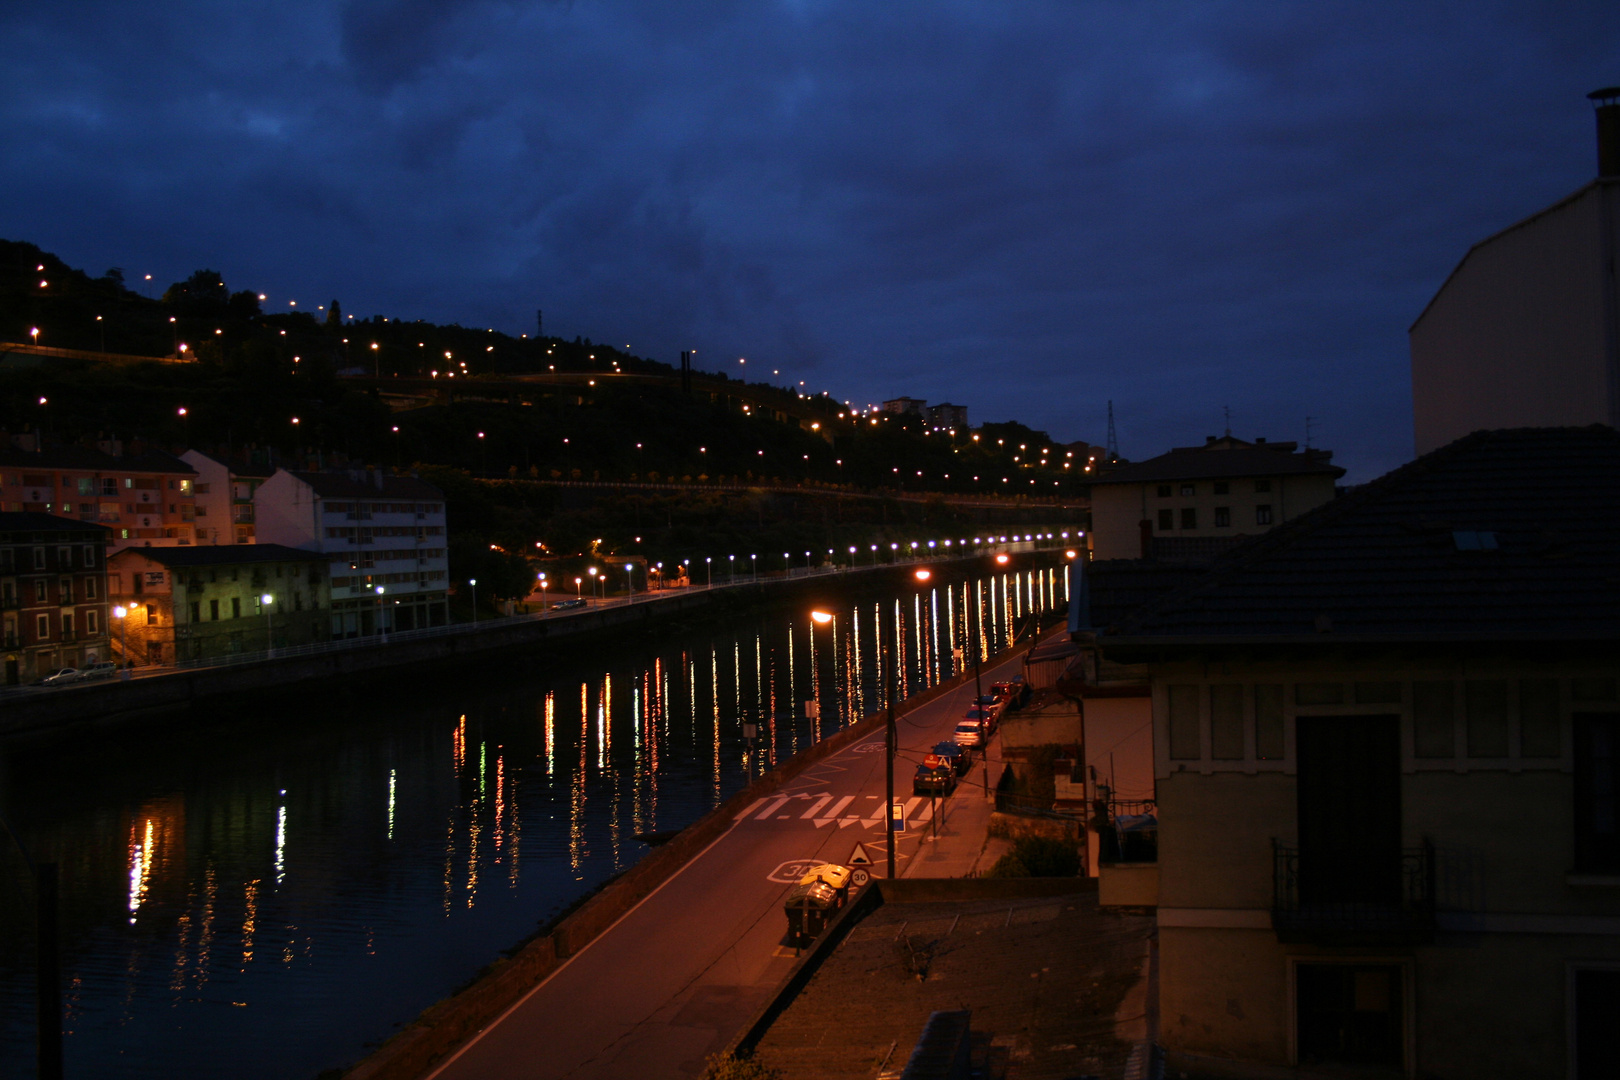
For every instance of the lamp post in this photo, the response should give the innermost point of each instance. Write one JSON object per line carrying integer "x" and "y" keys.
{"x": 630, "y": 582}
{"x": 381, "y": 628}
{"x": 542, "y": 596}
{"x": 731, "y": 572}
{"x": 123, "y": 642}
{"x": 591, "y": 570}
{"x": 709, "y": 564}
{"x": 474, "y": 583}
{"x": 754, "y": 563}
{"x": 579, "y": 587}
{"x": 269, "y": 643}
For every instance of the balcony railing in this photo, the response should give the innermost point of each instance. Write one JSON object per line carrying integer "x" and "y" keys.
{"x": 1403, "y": 915}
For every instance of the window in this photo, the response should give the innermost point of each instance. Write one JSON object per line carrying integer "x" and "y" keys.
{"x": 67, "y": 625}
{"x": 1597, "y": 792}
{"x": 89, "y": 588}
{"x": 1349, "y": 1014}
{"x": 185, "y": 487}
{"x": 1262, "y": 485}
{"x": 201, "y": 489}
{"x": 42, "y": 627}
{"x": 1262, "y": 514}
{"x": 196, "y": 611}
{"x": 109, "y": 486}
{"x": 92, "y": 622}
{"x": 39, "y": 558}
{"x": 1223, "y": 517}
{"x": 1433, "y": 731}
{"x": 1167, "y": 520}
{"x": 1184, "y": 741}
{"x": 1540, "y": 733}
{"x": 1188, "y": 489}
{"x": 89, "y": 554}
{"x": 1189, "y": 517}
{"x": 1226, "y": 722}
{"x": 1164, "y": 491}
{"x": 236, "y": 607}
{"x": 1486, "y": 701}
{"x": 42, "y": 592}
{"x": 65, "y": 595}
{"x": 85, "y": 486}
{"x": 151, "y": 615}
{"x": 1268, "y": 721}
{"x": 213, "y": 610}
{"x": 1222, "y": 487}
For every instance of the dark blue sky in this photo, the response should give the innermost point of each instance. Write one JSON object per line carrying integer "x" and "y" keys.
{"x": 1027, "y": 208}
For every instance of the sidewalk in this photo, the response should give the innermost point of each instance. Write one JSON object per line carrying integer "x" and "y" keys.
{"x": 964, "y": 847}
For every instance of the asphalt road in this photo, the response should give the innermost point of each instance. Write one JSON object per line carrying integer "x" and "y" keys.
{"x": 680, "y": 974}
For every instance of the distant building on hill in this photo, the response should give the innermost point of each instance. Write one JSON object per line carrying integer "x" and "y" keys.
{"x": 144, "y": 499}
{"x": 948, "y": 416}
{"x": 194, "y": 603}
{"x": 1526, "y": 330}
{"x": 224, "y": 494}
{"x": 1196, "y": 501}
{"x": 383, "y": 537}
{"x": 907, "y": 406}
{"x": 53, "y": 594}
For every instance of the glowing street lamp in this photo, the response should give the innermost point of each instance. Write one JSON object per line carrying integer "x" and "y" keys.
{"x": 474, "y": 583}
{"x": 269, "y": 644}
{"x": 123, "y": 643}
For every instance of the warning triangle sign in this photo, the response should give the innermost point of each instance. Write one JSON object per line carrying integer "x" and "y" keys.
{"x": 859, "y": 857}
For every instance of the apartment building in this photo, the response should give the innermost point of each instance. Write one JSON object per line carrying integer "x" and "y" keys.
{"x": 383, "y": 537}
{"x": 1196, "y": 501}
{"x": 53, "y": 594}
{"x": 224, "y": 498}
{"x": 1526, "y": 329}
{"x": 192, "y": 603}
{"x": 1387, "y": 770}
{"x": 144, "y": 499}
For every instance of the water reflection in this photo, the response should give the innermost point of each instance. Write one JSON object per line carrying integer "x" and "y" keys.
{"x": 383, "y": 851}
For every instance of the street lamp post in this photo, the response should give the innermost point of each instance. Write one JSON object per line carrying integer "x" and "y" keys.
{"x": 579, "y": 587}
{"x": 123, "y": 642}
{"x": 542, "y": 596}
{"x": 731, "y": 572}
{"x": 708, "y": 562}
{"x": 591, "y": 570}
{"x": 381, "y": 628}
{"x": 630, "y": 582}
{"x": 754, "y": 563}
{"x": 474, "y": 583}
{"x": 269, "y": 639}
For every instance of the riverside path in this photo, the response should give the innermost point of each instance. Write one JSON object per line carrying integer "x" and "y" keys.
{"x": 681, "y": 973}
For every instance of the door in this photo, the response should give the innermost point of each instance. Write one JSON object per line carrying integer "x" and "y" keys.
{"x": 1349, "y": 790}
{"x": 1349, "y": 1013}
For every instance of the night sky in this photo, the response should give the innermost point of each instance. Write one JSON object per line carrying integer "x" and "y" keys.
{"x": 1027, "y": 208}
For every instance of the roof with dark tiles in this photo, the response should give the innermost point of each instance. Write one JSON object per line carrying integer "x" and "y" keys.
{"x": 1220, "y": 459}
{"x": 1509, "y": 535}
{"x": 223, "y": 554}
{"x": 32, "y": 522}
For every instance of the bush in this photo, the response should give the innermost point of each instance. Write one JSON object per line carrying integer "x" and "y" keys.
{"x": 722, "y": 1067}
{"x": 1038, "y": 856}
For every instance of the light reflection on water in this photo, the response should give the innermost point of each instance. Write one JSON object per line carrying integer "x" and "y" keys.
{"x": 298, "y": 885}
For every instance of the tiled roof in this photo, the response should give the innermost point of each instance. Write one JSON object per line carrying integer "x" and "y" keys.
{"x": 343, "y": 486}
{"x": 1507, "y": 535}
{"x": 33, "y": 523}
{"x": 1225, "y": 459}
{"x": 224, "y": 554}
{"x": 84, "y": 457}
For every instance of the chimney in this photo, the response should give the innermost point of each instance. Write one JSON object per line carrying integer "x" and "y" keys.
{"x": 1607, "y": 102}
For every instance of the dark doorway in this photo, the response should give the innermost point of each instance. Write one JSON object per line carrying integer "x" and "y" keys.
{"x": 1597, "y": 1013}
{"x": 1349, "y": 787}
{"x": 1349, "y": 1013}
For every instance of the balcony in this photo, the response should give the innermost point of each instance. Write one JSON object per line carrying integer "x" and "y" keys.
{"x": 1396, "y": 911}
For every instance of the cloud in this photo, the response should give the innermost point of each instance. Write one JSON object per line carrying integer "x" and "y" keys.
{"x": 1032, "y": 208}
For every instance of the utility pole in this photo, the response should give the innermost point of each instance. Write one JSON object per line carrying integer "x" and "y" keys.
{"x": 1113, "y": 438}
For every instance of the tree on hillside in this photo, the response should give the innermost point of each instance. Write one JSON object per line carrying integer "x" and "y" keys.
{"x": 202, "y": 295}
{"x": 334, "y": 316}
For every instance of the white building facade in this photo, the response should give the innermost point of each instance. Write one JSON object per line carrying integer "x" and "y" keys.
{"x": 384, "y": 538}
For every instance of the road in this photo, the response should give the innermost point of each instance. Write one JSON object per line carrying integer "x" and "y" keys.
{"x": 680, "y": 974}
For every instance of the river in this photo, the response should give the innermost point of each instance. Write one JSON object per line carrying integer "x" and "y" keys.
{"x": 271, "y": 893}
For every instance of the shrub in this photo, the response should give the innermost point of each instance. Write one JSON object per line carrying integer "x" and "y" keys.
{"x": 1038, "y": 856}
{"x": 724, "y": 1067}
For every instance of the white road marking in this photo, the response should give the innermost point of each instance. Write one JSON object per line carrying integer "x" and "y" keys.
{"x": 816, "y": 806}
{"x": 775, "y": 805}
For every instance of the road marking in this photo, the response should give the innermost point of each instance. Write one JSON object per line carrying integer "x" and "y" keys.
{"x": 775, "y": 805}
{"x": 756, "y": 805}
{"x": 834, "y": 810}
{"x": 816, "y": 806}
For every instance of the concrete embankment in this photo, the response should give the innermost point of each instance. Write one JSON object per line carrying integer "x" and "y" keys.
{"x": 443, "y": 1027}
{"x": 115, "y": 702}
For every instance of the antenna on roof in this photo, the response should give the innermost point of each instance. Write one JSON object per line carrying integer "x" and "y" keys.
{"x": 1309, "y": 420}
{"x": 1113, "y": 438}
{"x": 1227, "y": 409}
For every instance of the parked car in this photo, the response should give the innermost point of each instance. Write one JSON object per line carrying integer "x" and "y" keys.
{"x": 989, "y": 715}
{"x": 957, "y": 757}
{"x": 104, "y": 669}
{"x": 937, "y": 778}
{"x": 968, "y": 734}
{"x": 60, "y": 677}
{"x": 568, "y": 605}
